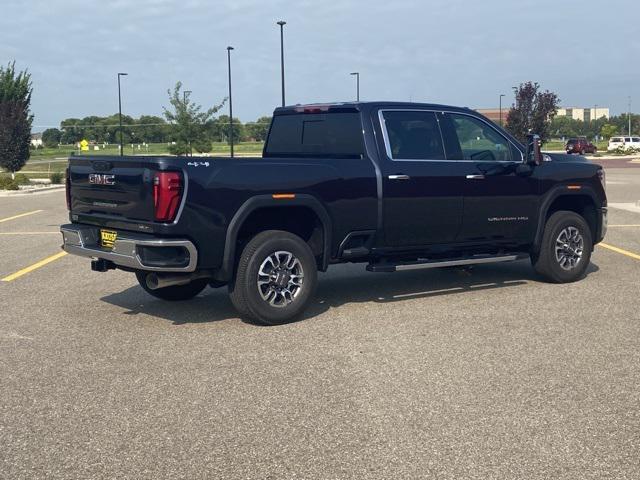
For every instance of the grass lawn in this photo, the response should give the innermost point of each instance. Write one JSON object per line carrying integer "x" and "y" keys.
{"x": 47, "y": 160}
{"x": 558, "y": 145}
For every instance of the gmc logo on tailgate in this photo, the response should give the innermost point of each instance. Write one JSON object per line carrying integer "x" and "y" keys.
{"x": 99, "y": 179}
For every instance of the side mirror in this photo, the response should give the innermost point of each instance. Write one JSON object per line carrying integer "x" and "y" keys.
{"x": 534, "y": 155}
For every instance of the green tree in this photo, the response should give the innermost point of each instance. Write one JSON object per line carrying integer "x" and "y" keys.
{"x": 220, "y": 129}
{"x": 258, "y": 130}
{"x": 188, "y": 120}
{"x": 51, "y": 137}
{"x": 15, "y": 117}
{"x": 152, "y": 129}
{"x": 532, "y": 112}
{"x": 607, "y": 131}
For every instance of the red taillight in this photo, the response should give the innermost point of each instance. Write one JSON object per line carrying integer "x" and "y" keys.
{"x": 167, "y": 193}
{"x": 67, "y": 187}
{"x": 312, "y": 108}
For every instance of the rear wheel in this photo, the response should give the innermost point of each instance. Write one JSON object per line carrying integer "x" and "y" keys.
{"x": 175, "y": 292}
{"x": 275, "y": 278}
{"x": 565, "y": 251}
{"x": 582, "y": 152}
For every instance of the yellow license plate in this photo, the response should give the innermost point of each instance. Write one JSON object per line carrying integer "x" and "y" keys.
{"x": 108, "y": 238}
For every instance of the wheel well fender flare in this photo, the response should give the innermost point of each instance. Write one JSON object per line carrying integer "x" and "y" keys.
{"x": 261, "y": 201}
{"x": 552, "y": 196}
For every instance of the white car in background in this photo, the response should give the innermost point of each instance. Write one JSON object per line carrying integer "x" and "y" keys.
{"x": 623, "y": 142}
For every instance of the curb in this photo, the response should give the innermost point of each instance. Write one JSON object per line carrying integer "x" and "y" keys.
{"x": 10, "y": 193}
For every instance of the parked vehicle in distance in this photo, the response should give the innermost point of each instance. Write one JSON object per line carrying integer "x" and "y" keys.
{"x": 580, "y": 145}
{"x": 398, "y": 186}
{"x": 623, "y": 143}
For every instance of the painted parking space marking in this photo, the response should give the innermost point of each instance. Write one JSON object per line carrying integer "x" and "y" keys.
{"x": 620, "y": 250}
{"x": 622, "y": 226}
{"x": 33, "y": 267}
{"x": 19, "y": 216}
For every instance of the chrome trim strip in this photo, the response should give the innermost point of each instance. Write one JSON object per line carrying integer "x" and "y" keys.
{"x": 453, "y": 263}
{"x": 83, "y": 241}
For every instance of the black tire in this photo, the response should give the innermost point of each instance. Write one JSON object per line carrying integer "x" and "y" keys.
{"x": 176, "y": 292}
{"x": 547, "y": 262}
{"x": 582, "y": 152}
{"x": 287, "y": 300}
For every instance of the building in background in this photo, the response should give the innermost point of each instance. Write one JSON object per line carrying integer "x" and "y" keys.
{"x": 583, "y": 114}
{"x": 36, "y": 140}
{"x": 577, "y": 113}
{"x": 493, "y": 114}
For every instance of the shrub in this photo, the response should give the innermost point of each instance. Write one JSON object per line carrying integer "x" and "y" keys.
{"x": 56, "y": 178}
{"x": 6, "y": 183}
{"x": 22, "y": 179}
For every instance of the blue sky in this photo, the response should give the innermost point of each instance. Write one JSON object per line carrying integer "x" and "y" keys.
{"x": 454, "y": 51}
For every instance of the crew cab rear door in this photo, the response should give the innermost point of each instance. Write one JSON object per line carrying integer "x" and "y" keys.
{"x": 422, "y": 190}
{"x": 500, "y": 203}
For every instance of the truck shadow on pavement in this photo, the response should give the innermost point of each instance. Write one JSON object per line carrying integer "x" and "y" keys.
{"x": 342, "y": 284}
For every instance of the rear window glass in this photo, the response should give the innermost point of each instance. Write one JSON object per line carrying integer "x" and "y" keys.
{"x": 627, "y": 139}
{"x": 616, "y": 139}
{"x": 329, "y": 134}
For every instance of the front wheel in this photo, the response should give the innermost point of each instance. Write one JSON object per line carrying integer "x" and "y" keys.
{"x": 175, "y": 292}
{"x": 565, "y": 251}
{"x": 275, "y": 278}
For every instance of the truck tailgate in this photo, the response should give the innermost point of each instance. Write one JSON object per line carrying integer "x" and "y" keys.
{"x": 119, "y": 187}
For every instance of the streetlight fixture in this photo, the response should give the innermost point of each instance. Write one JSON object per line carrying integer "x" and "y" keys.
{"x": 185, "y": 94}
{"x": 282, "y": 23}
{"x": 357, "y": 75}
{"x": 230, "y": 101}
{"x": 120, "y": 111}
{"x": 501, "y": 95}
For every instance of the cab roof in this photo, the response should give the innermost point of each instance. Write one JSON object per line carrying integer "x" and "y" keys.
{"x": 336, "y": 107}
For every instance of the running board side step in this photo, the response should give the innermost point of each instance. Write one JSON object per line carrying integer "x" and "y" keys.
{"x": 397, "y": 267}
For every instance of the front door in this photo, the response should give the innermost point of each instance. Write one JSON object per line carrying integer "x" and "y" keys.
{"x": 422, "y": 190}
{"x": 500, "y": 202}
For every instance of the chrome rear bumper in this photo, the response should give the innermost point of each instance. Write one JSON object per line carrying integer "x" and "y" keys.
{"x": 84, "y": 240}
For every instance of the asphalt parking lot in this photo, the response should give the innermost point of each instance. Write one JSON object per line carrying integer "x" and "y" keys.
{"x": 483, "y": 373}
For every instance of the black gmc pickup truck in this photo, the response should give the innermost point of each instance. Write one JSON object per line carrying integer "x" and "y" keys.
{"x": 396, "y": 185}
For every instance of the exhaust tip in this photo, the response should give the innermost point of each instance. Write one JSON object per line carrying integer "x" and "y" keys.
{"x": 152, "y": 281}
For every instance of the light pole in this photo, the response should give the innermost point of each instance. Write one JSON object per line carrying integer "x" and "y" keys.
{"x": 357, "y": 74}
{"x": 282, "y": 23}
{"x": 185, "y": 93}
{"x": 230, "y": 102}
{"x": 120, "y": 111}
{"x": 501, "y": 95}
{"x": 629, "y": 115}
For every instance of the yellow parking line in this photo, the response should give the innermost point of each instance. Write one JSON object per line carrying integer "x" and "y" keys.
{"x": 18, "y": 216}
{"x": 33, "y": 267}
{"x": 620, "y": 250}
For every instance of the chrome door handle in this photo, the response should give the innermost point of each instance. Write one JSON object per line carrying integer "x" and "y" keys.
{"x": 399, "y": 177}
{"x": 475, "y": 177}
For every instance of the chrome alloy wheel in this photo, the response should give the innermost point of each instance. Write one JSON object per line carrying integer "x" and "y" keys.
{"x": 569, "y": 248}
{"x": 280, "y": 278}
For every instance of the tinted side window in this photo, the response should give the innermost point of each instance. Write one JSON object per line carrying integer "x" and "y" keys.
{"x": 413, "y": 135}
{"x": 478, "y": 140}
{"x": 330, "y": 134}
